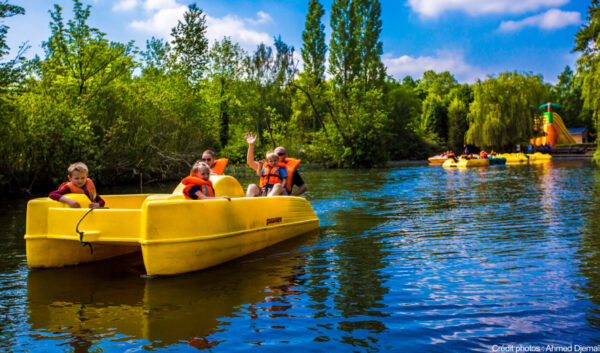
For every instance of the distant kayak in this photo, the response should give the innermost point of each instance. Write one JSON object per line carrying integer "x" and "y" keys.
{"x": 437, "y": 159}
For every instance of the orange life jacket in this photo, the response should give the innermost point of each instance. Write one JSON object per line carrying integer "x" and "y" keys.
{"x": 219, "y": 167}
{"x": 89, "y": 189}
{"x": 270, "y": 176}
{"x": 483, "y": 155}
{"x": 291, "y": 164}
{"x": 206, "y": 186}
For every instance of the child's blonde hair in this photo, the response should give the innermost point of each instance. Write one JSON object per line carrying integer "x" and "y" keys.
{"x": 271, "y": 154}
{"x": 198, "y": 166}
{"x": 77, "y": 167}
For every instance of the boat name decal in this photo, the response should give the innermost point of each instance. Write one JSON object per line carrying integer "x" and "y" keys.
{"x": 273, "y": 220}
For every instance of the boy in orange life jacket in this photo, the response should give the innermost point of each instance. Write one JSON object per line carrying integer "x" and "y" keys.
{"x": 198, "y": 185}
{"x": 78, "y": 183}
{"x": 272, "y": 176}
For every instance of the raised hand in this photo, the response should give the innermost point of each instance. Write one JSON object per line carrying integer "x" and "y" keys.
{"x": 250, "y": 138}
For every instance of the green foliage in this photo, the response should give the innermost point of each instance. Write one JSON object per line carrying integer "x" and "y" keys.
{"x": 588, "y": 64}
{"x": 156, "y": 56}
{"x": 225, "y": 70}
{"x": 403, "y": 107}
{"x": 7, "y": 10}
{"x": 500, "y": 116}
{"x": 11, "y": 71}
{"x": 435, "y": 91}
{"x": 355, "y": 103}
{"x": 190, "y": 45}
{"x": 314, "y": 47}
{"x": 457, "y": 124}
{"x": 79, "y": 59}
{"x": 567, "y": 93}
{"x": 83, "y": 102}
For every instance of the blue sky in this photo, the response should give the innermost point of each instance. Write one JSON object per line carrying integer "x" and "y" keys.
{"x": 469, "y": 38}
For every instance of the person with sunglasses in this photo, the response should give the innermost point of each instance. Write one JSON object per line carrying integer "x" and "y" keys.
{"x": 291, "y": 164}
{"x": 217, "y": 166}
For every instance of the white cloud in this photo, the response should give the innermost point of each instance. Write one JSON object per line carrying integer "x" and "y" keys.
{"x": 238, "y": 29}
{"x": 125, "y": 5}
{"x": 263, "y": 17}
{"x": 166, "y": 13}
{"x": 399, "y": 67}
{"x": 549, "y": 20}
{"x": 154, "y": 5}
{"x": 161, "y": 22}
{"x": 434, "y": 8}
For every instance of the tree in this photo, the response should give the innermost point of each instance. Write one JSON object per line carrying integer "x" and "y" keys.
{"x": 156, "y": 55}
{"x": 310, "y": 82}
{"x": 314, "y": 47}
{"x": 588, "y": 64}
{"x": 356, "y": 105}
{"x": 7, "y": 10}
{"x": 224, "y": 70}
{"x": 567, "y": 93}
{"x": 403, "y": 107}
{"x": 9, "y": 71}
{"x": 344, "y": 54}
{"x": 373, "y": 70}
{"x": 79, "y": 58}
{"x": 500, "y": 115}
{"x": 436, "y": 88}
{"x": 434, "y": 116}
{"x": 457, "y": 124}
{"x": 190, "y": 44}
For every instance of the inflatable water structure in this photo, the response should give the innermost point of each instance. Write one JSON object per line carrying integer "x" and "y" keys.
{"x": 553, "y": 127}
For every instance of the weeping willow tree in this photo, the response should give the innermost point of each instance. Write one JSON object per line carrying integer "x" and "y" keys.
{"x": 500, "y": 115}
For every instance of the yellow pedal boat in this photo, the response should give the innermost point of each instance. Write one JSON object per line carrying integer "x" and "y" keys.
{"x": 174, "y": 235}
{"x": 538, "y": 156}
{"x": 514, "y": 158}
{"x": 465, "y": 163}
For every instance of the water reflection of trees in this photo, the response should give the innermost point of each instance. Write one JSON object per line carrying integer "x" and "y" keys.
{"x": 352, "y": 286}
{"x": 589, "y": 266}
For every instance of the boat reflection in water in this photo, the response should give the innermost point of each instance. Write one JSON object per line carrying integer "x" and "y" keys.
{"x": 93, "y": 302}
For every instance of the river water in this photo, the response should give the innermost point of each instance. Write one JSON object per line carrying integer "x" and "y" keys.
{"x": 407, "y": 259}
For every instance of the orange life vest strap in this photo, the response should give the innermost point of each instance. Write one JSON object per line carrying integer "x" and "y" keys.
{"x": 219, "y": 167}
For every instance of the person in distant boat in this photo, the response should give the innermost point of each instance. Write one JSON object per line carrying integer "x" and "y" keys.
{"x": 483, "y": 154}
{"x": 78, "y": 183}
{"x": 272, "y": 176}
{"x": 451, "y": 154}
{"x": 217, "y": 166}
{"x": 198, "y": 185}
{"x": 466, "y": 149}
{"x": 292, "y": 164}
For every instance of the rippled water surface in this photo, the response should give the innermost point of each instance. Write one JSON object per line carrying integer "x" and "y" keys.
{"x": 408, "y": 259}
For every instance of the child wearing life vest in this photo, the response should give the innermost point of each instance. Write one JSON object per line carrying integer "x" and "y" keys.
{"x": 198, "y": 185}
{"x": 273, "y": 176}
{"x": 78, "y": 183}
